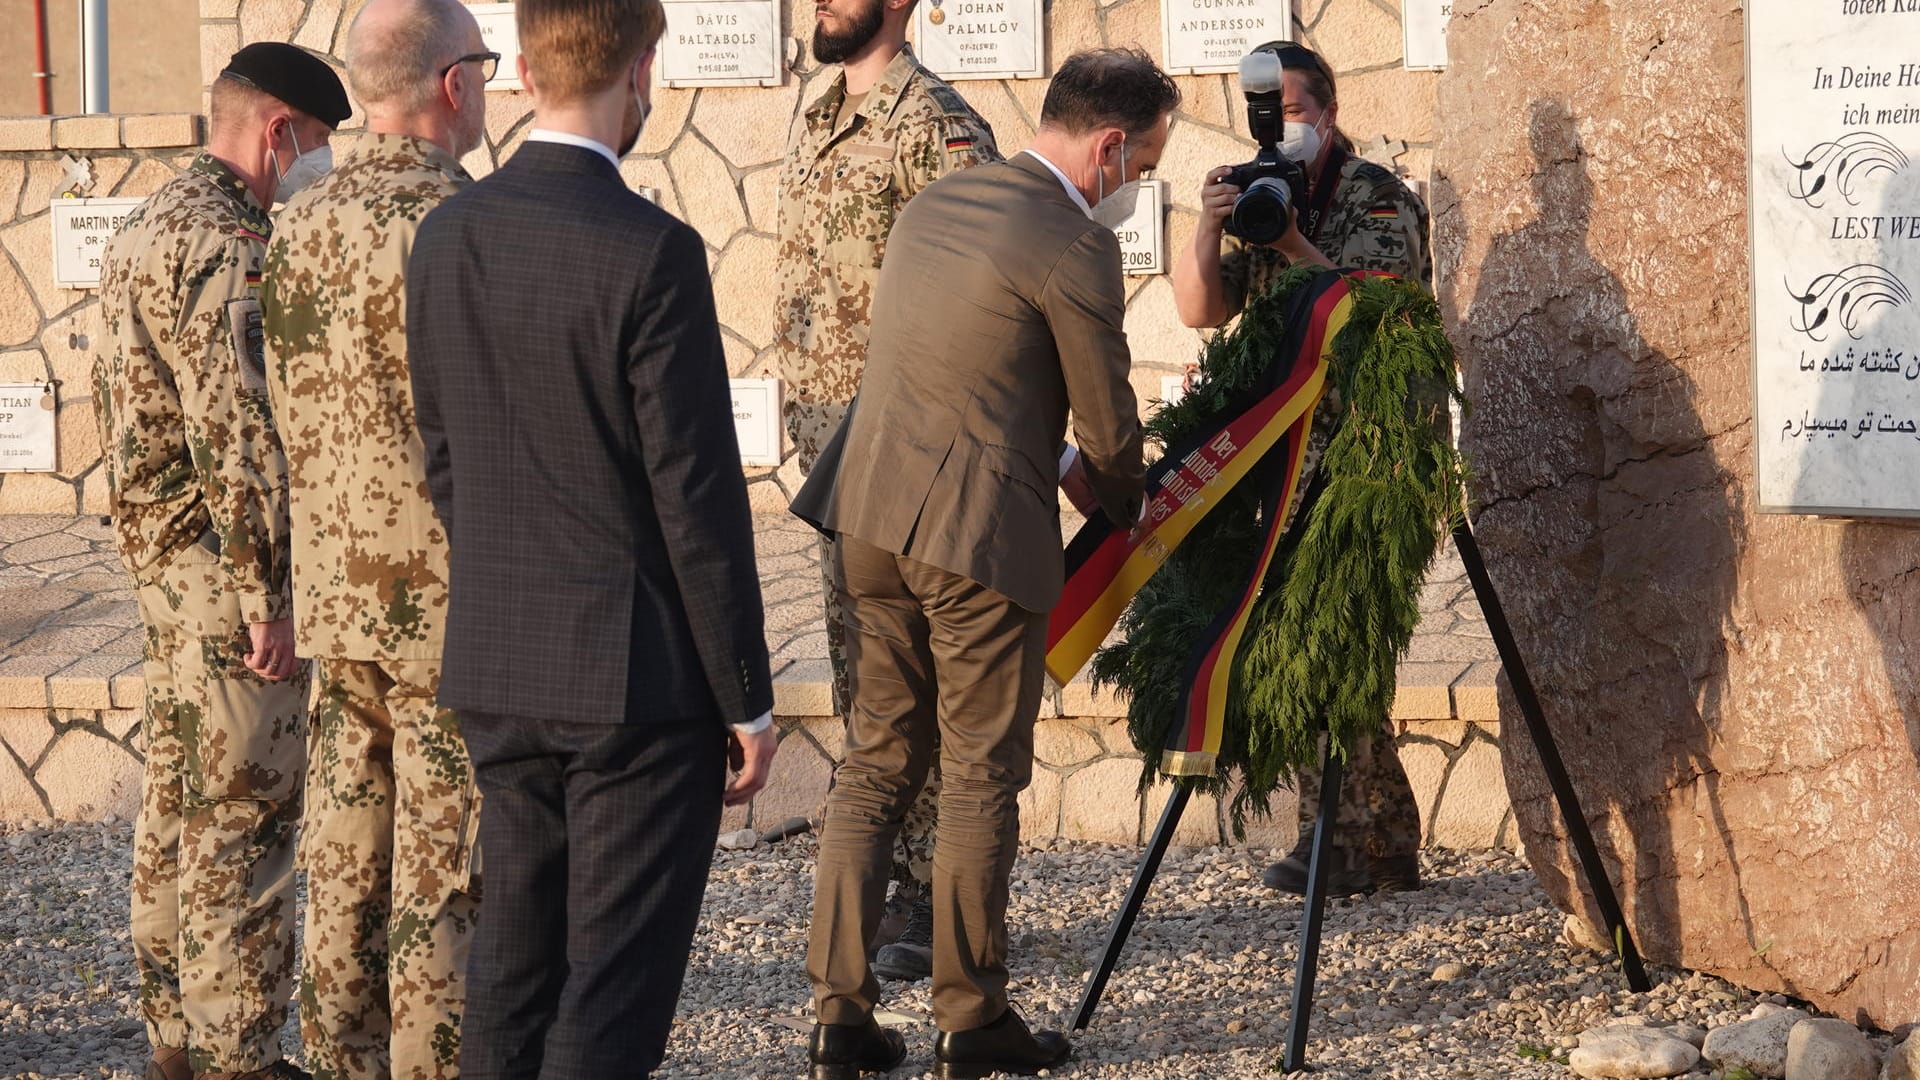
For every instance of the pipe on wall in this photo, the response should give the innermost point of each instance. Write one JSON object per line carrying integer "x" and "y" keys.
{"x": 93, "y": 55}
{"x": 40, "y": 72}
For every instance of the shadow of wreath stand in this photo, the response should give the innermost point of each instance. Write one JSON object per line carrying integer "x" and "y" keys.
{"x": 1307, "y": 965}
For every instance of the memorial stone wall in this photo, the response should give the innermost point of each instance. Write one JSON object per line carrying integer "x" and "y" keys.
{"x": 711, "y": 154}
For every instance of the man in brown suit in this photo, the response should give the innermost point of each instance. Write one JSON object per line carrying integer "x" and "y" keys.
{"x": 998, "y": 310}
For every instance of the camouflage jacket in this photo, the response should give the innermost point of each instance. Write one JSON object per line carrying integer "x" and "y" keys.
{"x": 180, "y": 386}
{"x": 840, "y": 189}
{"x": 369, "y": 555}
{"x": 1373, "y": 223}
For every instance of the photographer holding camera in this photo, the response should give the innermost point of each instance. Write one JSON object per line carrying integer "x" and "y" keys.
{"x": 1307, "y": 198}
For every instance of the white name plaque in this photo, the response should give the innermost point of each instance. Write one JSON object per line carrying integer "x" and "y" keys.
{"x": 721, "y": 43}
{"x": 1834, "y": 193}
{"x": 1143, "y": 232}
{"x": 1210, "y": 36}
{"x": 980, "y": 39}
{"x": 500, "y": 35}
{"x": 81, "y": 229}
{"x": 756, "y": 420}
{"x": 27, "y": 428}
{"x": 1425, "y": 25}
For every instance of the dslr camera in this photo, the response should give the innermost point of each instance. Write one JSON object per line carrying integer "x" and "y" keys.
{"x": 1271, "y": 182}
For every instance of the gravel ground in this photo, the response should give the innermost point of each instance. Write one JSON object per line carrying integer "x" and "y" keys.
{"x": 1468, "y": 977}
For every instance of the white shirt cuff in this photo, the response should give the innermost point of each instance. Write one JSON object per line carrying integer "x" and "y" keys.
{"x": 1067, "y": 458}
{"x": 754, "y": 727}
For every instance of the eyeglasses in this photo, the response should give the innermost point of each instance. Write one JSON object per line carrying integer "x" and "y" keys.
{"x": 489, "y": 63}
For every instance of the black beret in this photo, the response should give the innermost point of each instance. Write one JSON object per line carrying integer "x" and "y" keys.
{"x": 294, "y": 76}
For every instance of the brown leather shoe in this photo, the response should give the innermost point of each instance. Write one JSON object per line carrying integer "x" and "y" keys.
{"x": 169, "y": 1063}
{"x": 1351, "y": 872}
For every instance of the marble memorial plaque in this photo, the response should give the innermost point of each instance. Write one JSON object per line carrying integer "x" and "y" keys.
{"x": 721, "y": 43}
{"x": 1210, "y": 36}
{"x": 756, "y": 420}
{"x": 27, "y": 428}
{"x": 1424, "y": 24}
{"x": 501, "y": 36}
{"x": 81, "y": 229}
{"x": 980, "y": 39}
{"x": 1834, "y": 194}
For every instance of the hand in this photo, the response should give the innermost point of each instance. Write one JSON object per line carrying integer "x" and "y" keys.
{"x": 1189, "y": 377}
{"x": 1216, "y": 201}
{"x": 1079, "y": 487}
{"x": 750, "y": 759}
{"x": 271, "y": 656}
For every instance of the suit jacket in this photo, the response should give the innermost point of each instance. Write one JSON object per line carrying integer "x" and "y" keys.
{"x": 998, "y": 308}
{"x": 573, "y": 402}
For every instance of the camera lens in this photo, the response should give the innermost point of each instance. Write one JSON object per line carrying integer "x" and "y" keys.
{"x": 1260, "y": 213}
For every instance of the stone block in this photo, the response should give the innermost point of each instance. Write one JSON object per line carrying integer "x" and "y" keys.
{"x": 95, "y": 492}
{"x": 30, "y": 242}
{"x": 1079, "y": 698}
{"x": 762, "y": 189}
{"x": 87, "y": 777}
{"x": 1155, "y": 335}
{"x": 1136, "y": 24}
{"x": 66, "y": 691}
{"x": 160, "y": 129}
{"x": 1394, "y": 102}
{"x": 1071, "y": 28}
{"x": 708, "y": 199}
{"x": 218, "y": 43}
{"x": 26, "y": 133}
{"x": 1040, "y": 806}
{"x": 37, "y": 493}
{"x": 765, "y": 497}
{"x": 741, "y": 296}
{"x": 78, "y": 445}
{"x": 1828, "y": 1049}
{"x": 13, "y": 174}
{"x": 1475, "y": 697}
{"x": 805, "y": 688}
{"x": 27, "y": 365}
{"x": 1204, "y": 98}
{"x": 86, "y": 132}
{"x": 1012, "y": 128}
{"x": 1101, "y": 803}
{"x": 18, "y": 799}
{"x": 145, "y": 178}
{"x": 19, "y": 315}
{"x": 1450, "y": 732}
{"x": 219, "y": 9}
{"x": 268, "y": 20}
{"x": 26, "y": 732}
{"x": 827, "y": 732}
{"x": 671, "y": 108}
{"x": 1199, "y": 822}
{"x": 1475, "y": 800}
{"x": 317, "y": 31}
{"x": 747, "y": 124}
{"x": 1425, "y": 690}
{"x": 68, "y": 342}
{"x": 1353, "y": 36}
{"x": 798, "y": 783}
{"x": 128, "y": 690}
{"x": 1426, "y": 768}
{"x": 652, "y": 173}
{"x": 1064, "y": 742}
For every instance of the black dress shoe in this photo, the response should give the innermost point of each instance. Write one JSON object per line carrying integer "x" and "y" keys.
{"x": 844, "y": 1051}
{"x": 1002, "y": 1046}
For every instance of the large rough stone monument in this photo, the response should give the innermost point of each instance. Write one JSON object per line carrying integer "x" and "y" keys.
{"x": 1733, "y": 692}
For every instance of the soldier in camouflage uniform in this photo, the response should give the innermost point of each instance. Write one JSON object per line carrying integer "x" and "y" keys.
{"x": 391, "y": 805}
{"x": 197, "y": 488}
{"x": 1370, "y": 222}
{"x": 885, "y": 128}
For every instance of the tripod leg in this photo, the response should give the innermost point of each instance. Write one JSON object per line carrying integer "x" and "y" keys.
{"x": 1577, "y": 832}
{"x": 1307, "y": 967}
{"x": 1143, "y": 877}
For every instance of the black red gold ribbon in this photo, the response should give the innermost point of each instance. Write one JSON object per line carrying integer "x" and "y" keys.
{"x": 1107, "y": 565}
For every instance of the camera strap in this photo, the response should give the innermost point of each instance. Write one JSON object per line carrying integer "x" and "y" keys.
{"x": 1321, "y": 197}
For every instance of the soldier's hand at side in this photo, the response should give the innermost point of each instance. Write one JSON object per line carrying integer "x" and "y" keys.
{"x": 1216, "y": 201}
{"x": 1079, "y": 487}
{"x": 750, "y": 758}
{"x": 271, "y": 656}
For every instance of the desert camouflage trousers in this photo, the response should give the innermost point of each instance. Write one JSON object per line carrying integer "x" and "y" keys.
{"x": 212, "y": 889}
{"x": 1377, "y": 811}
{"x": 913, "y": 862}
{"x": 392, "y": 882}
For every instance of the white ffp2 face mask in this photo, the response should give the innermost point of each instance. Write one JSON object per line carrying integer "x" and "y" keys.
{"x": 306, "y": 168}
{"x": 1301, "y": 142}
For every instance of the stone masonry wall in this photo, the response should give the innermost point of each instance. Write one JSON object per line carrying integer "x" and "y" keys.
{"x": 712, "y": 154}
